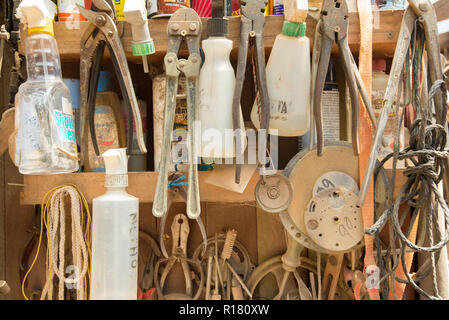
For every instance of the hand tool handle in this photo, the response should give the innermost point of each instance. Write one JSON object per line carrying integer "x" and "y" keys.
{"x": 348, "y": 69}
{"x": 191, "y": 71}
{"x": 245, "y": 27}
{"x": 326, "y": 46}
{"x": 171, "y": 87}
{"x": 390, "y": 93}
{"x": 315, "y": 60}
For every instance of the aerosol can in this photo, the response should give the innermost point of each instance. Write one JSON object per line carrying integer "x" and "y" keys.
{"x": 216, "y": 87}
{"x": 115, "y": 234}
{"x": 45, "y": 141}
{"x": 288, "y": 83}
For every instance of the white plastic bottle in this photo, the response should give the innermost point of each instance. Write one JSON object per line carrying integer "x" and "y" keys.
{"x": 45, "y": 141}
{"x": 216, "y": 87}
{"x": 115, "y": 234}
{"x": 288, "y": 83}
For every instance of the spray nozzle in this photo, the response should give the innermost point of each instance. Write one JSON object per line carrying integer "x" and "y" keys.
{"x": 142, "y": 45}
{"x": 38, "y": 14}
{"x": 115, "y": 161}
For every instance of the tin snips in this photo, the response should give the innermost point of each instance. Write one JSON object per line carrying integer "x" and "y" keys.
{"x": 103, "y": 31}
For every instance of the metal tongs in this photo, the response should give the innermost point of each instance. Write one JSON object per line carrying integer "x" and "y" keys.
{"x": 333, "y": 26}
{"x": 251, "y": 26}
{"x": 184, "y": 25}
{"x": 423, "y": 12}
{"x": 103, "y": 31}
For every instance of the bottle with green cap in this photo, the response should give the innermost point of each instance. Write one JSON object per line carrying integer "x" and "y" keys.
{"x": 45, "y": 140}
{"x": 288, "y": 83}
{"x": 216, "y": 87}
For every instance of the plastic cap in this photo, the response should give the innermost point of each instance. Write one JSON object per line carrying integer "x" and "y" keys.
{"x": 217, "y": 27}
{"x": 294, "y": 29}
{"x": 143, "y": 49}
{"x": 38, "y": 14}
{"x": 116, "y": 161}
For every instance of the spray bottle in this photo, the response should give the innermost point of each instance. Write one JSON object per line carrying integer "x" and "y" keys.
{"x": 45, "y": 141}
{"x": 288, "y": 83}
{"x": 142, "y": 45}
{"x": 115, "y": 234}
{"x": 216, "y": 86}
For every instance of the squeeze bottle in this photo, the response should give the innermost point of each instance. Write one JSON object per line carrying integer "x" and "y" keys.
{"x": 216, "y": 87}
{"x": 115, "y": 234}
{"x": 45, "y": 141}
{"x": 288, "y": 83}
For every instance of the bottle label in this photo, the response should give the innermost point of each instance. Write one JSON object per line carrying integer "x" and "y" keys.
{"x": 330, "y": 104}
{"x": 64, "y": 122}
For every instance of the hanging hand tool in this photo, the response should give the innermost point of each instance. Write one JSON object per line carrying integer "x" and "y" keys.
{"x": 103, "y": 31}
{"x": 180, "y": 232}
{"x": 423, "y": 12}
{"x": 251, "y": 26}
{"x": 184, "y": 24}
{"x": 333, "y": 26}
{"x": 4, "y": 37}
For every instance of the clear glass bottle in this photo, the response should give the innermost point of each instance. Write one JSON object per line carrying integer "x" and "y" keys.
{"x": 45, "y": 142}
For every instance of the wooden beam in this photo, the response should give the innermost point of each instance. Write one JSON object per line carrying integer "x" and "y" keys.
{"x": 141, "y": 185}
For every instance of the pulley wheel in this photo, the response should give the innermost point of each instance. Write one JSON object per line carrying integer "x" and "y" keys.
{"x": 274, "y": 193}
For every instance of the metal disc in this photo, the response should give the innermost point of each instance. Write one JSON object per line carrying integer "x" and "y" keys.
{"x": 333, "y": 220}
{"x": 303, "y": 171}
{"x": 335, "y": 179}
{"x": 274, "y": 193}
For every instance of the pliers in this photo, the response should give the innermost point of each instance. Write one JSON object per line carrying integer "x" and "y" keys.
{"x": 103, "y": 31}
{"x": 333, "y": 26}
{"x": 423, "y": 12}
{"x": 251, "y": 26}
{"x": 184, "y": 25}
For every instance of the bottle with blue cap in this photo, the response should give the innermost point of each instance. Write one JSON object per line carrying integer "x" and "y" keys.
{"x": 45, "y": 141}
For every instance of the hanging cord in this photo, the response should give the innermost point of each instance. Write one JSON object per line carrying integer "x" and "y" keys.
{"x": 53, "y": 218}
{"x": 427, "y": 154}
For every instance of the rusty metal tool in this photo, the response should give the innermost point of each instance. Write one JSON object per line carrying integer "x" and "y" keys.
{"x": 333, "y": 26}
{"x": 184, "y": 25}
{"x": 251, "y": 27}
{"x": 421, "y": 12}
{"x": 103, "y": 31}
{"x": 180, "y": 232}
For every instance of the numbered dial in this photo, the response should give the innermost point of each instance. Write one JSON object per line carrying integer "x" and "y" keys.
{"x": 333, "y": 220}
{"x": 335, "y": 179}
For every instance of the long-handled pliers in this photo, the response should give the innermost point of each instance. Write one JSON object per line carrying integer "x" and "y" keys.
{"x": 103, "y": 31}
{"x": 423, "y": 12}
{"x": 333, "y": 26}
{"x": 251, "y": 26}
{"x": 184, "y": 24}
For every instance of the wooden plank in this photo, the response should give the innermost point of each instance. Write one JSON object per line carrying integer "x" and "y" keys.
{"x": 141, "y": 185}
{"x": 384, "y": 35}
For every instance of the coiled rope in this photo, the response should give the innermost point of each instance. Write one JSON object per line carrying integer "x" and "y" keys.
{"x": 53, "y": 217}
{"x": 420, "y": 194}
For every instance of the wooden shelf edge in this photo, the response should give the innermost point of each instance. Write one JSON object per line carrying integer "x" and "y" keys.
{"x": 142, "y": 185}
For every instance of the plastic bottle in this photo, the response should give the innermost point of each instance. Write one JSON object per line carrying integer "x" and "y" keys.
{"x": 379, "y": 85}
{"x": 46, "y": 141}
{"x": 216, "y": 87}
{"x": 115, "y": 234}
{"x": 288, "y": 83}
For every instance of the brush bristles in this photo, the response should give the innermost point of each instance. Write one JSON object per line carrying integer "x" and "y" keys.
{"x": 228, "y": 246}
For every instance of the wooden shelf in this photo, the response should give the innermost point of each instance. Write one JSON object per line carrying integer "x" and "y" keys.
{"x": 386, "y": 29}
{"x": 141, "y": 185}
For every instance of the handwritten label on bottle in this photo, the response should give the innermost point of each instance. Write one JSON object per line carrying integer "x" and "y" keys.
{"x": 133, "y": 248}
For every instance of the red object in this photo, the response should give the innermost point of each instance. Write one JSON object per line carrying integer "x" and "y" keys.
{"x": 147, "y": 295}
{"x": 202, "y": 7}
